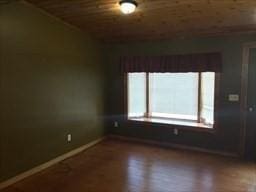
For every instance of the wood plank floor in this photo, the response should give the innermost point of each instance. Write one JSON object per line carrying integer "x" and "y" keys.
{"x": 118, "y": 166}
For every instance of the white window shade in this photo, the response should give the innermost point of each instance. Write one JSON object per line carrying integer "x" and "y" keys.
{"x": 174, "y": 95}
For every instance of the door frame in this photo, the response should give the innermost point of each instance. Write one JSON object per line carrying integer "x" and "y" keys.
{"x": 244, "y": 95}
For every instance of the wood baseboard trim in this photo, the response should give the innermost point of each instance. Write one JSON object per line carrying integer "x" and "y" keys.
{"x": 48, "y": 164}
{"x": 174, "y": 146}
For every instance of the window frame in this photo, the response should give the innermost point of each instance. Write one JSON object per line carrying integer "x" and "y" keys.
{"x": 188, "y": 125}
{"x": 180, "y": 119}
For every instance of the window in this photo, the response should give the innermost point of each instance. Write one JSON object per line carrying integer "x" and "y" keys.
{"x": 174, "y": 98}
{"x": 137, "y": 94}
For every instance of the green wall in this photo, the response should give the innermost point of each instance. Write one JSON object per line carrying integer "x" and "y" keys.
{"x": 51, "y": 85}
{"x": 227, "y": 137}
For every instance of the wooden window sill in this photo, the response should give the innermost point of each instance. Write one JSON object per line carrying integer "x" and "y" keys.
{"x": 182, "y": 124}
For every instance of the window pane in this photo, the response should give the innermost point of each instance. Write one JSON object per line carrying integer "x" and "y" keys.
{"x": 136, "y": 94}
{"x": 207, "y": 103}
{"x": 174, "y": 95}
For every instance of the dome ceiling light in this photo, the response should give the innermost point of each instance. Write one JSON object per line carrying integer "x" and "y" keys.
{"x": 128, "y": 6}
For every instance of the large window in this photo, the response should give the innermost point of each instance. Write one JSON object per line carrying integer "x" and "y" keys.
{"x": 175, "y": 98}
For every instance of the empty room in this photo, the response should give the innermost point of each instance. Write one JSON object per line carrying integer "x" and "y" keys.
{"x": 127, "y": 96}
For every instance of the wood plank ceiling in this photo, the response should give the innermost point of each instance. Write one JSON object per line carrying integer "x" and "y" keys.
{"x": 155, "y": 19}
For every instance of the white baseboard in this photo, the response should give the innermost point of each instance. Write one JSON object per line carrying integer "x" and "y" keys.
{"x": 48, "y": 164}
{"x": 174, "y": 146}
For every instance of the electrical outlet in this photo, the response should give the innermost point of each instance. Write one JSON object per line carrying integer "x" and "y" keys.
{"x": 175, "y": 131}
{"x": 69, "y": 138}
{"x": 116, "y": 124}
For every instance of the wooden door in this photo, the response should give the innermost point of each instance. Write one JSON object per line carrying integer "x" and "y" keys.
{"x": 251, "y": 106}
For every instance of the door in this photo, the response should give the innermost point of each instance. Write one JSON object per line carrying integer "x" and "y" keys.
{"x": 250, "y": 139}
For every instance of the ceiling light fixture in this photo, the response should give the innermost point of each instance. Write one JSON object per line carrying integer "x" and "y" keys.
{"x": 128, "y": 6}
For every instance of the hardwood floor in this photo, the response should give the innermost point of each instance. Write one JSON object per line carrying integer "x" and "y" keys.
{"x": 118, "y": 166}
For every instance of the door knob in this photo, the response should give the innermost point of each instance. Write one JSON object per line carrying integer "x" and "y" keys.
{"x": 250, "y": 109}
